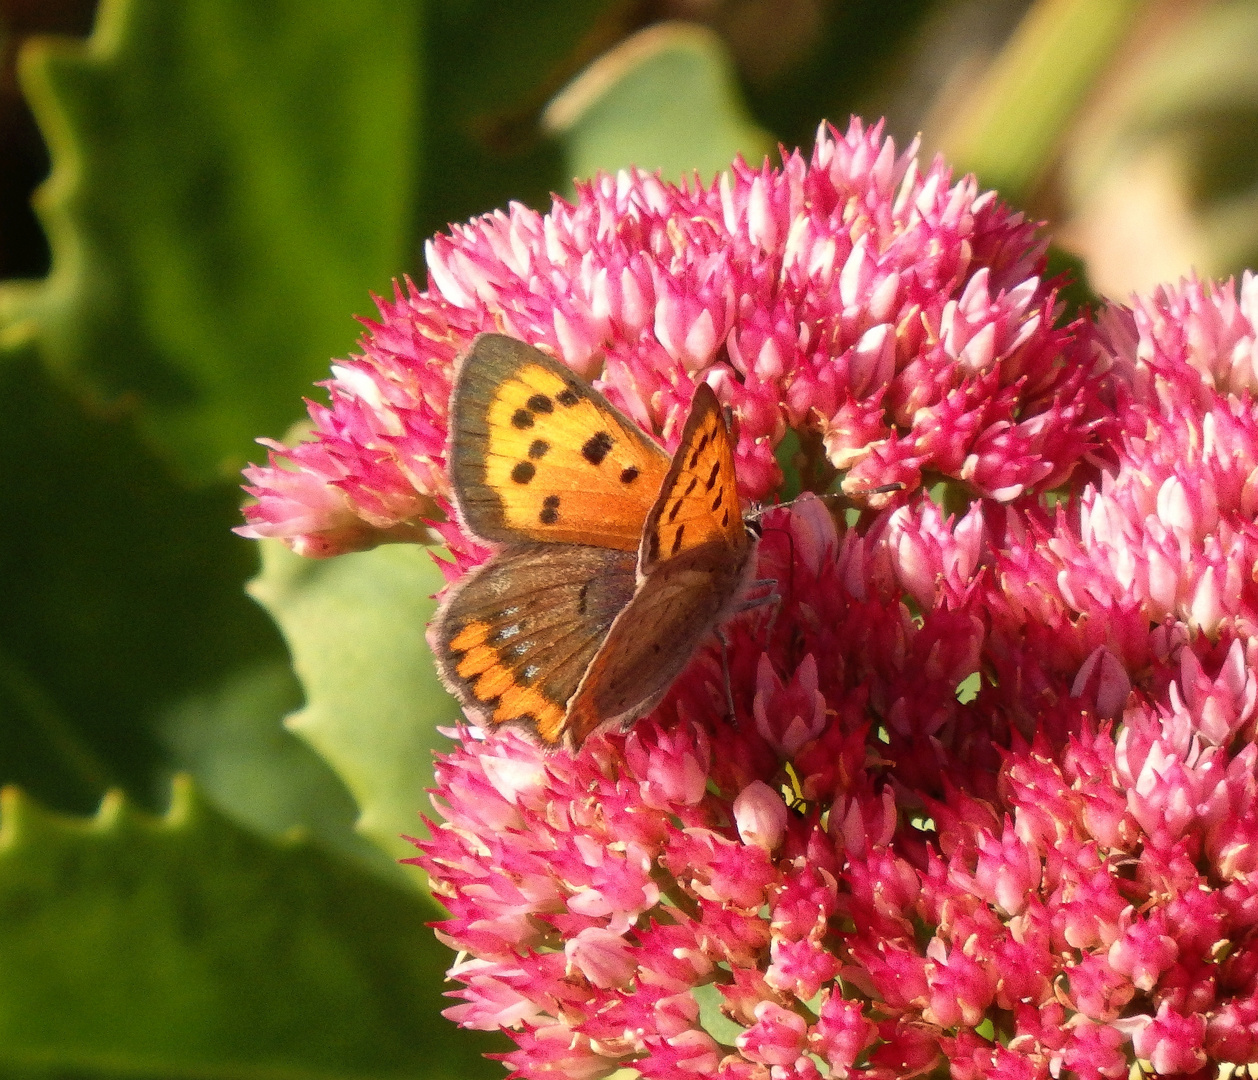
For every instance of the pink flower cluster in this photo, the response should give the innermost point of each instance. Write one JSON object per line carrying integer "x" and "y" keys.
{"x": 861, "y": 874}
{"x": 988, "y": 802}
{"x": 883, "y": 312}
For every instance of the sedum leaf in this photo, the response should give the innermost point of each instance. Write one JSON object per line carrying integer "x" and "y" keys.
{"x": 1009, "y": 128}
{"x": 229, "y": 179}
{"x": 355, "y": 627}
{"x": 664, "y": 99}
{"x": 233, "y": 741}
{"x": 127, "y": 644}
{"x": 491, "y": 65}
{"x": 122, "y": 594}
{"x": 186, "y": 946}
{"x": 1169, "y": 174}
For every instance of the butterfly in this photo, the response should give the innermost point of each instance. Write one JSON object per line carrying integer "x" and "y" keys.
{"x": 612, "y": 560}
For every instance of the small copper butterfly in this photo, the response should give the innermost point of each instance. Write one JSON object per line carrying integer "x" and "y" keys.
{"x": 612, "y": 561}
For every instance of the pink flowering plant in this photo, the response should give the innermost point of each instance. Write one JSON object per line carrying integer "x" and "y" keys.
{"x": 988, "y": 801}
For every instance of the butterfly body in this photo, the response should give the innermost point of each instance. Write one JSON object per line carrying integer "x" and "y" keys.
{"x": 613, "y": 561}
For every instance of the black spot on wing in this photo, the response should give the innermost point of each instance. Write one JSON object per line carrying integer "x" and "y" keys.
{"x": 569, "y": 397}
{"x": 699, "y": 448}
{"x": 597, "y": 447}
{"x": 629, "y": 475}
{"x": 523, "y": 472}
{"x": 522, "y": 419}
{"x": 672, "y": 514}
{"x": 677, "y": 539}
{"x": 538, "y": 448}
{"x": 716, "y": 471}
{"x": 694, "y": 481}
{"x": 550, "y": 510}
{"x": 540, "y": 403}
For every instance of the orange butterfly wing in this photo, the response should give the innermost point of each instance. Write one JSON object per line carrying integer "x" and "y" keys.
{"x": 698, "y": 500}
{"x": 537, "y": 453}
{"x": 515, "y": 637}
{"x": 694, "y": 559}
{"x": 618, "y": 561}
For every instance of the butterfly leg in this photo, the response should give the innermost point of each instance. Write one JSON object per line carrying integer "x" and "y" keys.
{"x": 772, "y": 596}
{"x": 776, "y": 601}
{"x": 729, "y": 689}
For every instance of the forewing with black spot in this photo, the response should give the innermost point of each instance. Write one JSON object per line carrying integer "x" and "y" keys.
{"x": 537, "y": 453}
{"x": 698, "y": 500}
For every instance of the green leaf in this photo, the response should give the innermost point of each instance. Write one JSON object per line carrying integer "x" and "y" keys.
{"x": 664, "y": 99}
{"x": 492, "y": 65}
{"x": 232, "y": 740}
{"x": 127, "y": 643}
{"x": 1076, "y": 292}
{"x": 188, "y": 947}
{"x": 123, "y": 594}
{"x": 1008, "y": 130}
{"x": 498, "y": 56}
{"x": 229, "y": 179}
{"x": 355, "y": 627}
{"x": 1182, "y": 118}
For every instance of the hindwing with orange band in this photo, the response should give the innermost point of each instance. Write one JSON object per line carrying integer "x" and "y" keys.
{"x": 518, "y": 634}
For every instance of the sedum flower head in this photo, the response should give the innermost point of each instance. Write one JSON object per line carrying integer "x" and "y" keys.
{"x": 988, "y": 800}
{"x": 860, "y": 874}
{"x": 896, "y": 321}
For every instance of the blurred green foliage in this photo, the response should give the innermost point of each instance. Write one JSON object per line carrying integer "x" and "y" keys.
{"x": 230, "y": 182}
{"x": 269, "y": 953}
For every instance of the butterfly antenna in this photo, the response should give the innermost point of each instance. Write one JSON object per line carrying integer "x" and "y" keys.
{"x": 848, "y": 500}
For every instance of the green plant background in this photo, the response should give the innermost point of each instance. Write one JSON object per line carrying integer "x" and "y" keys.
{"x": 209, "y": 786}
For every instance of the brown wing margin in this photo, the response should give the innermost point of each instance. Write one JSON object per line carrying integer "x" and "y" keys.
{"x": 654, "y": 638}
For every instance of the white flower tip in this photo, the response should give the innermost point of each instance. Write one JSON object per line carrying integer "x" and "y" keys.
{"x": 760, "y": 814}
{"x": 511, "y": 777}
